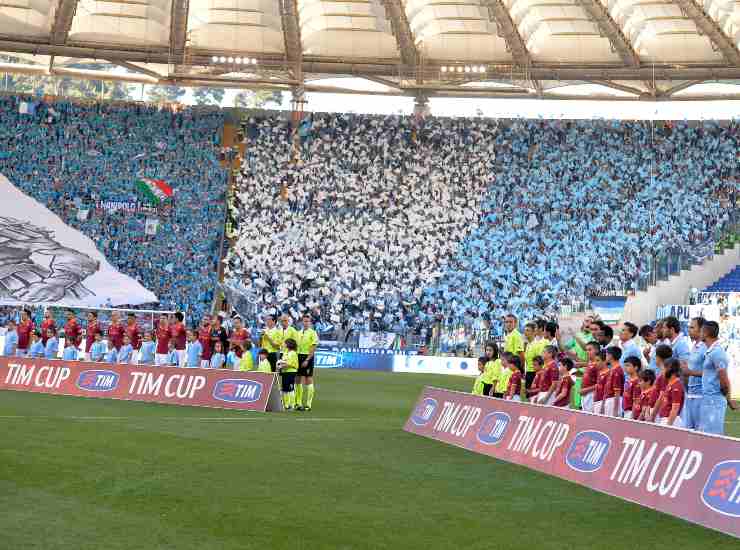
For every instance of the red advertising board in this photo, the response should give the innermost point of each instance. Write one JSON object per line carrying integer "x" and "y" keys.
{"x": 223, "y": 389}
{"x": 687, "y": 474}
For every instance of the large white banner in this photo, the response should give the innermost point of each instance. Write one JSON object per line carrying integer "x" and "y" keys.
{"x": 377, "y": 340}
{"x": 43, "y": 260}
{"x": 684, "y": 313}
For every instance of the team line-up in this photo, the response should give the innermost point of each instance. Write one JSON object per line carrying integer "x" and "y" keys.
{"x": 677, "y": 380}
{"x": 284, "y": 349}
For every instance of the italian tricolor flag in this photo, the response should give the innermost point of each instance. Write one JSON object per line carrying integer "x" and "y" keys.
{"x": 155, "y": 191}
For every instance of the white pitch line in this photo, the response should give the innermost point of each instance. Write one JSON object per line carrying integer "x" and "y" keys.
{"x": 176, "y": 418}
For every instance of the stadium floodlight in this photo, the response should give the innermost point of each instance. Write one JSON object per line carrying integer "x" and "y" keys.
{"x": 214, "y": 59}
{"x": 222, "y": 59}
{"x": 459, "y": 69}
{"x": 443, "y": 69}
{"x": 231, "y": 59}
{"x": 238, "y": 60}
{"x": 467, "y": 69}
{"x": 254, "y": 61}
{"x": 482, "y": 69}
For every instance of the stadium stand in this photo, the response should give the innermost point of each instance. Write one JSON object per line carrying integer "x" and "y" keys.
{"x": 75, "y": 157}
{"x": 391, "y": 222}
{"x": 729, "y": 283}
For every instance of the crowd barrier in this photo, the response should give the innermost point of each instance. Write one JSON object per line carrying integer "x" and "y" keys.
{"x": 683, "y": 473}
{"x": 222, "y": 389}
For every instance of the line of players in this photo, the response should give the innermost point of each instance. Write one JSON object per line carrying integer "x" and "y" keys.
{"x": 685, "y": 385}
{"x": 284, "y": 348}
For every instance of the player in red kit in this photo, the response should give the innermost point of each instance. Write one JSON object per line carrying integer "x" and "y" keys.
{"x": 115, "y": 332}
{"x": 132, "y": 331}
{"x": 239, "y": 336}
{"x": 46, "y": 324}
{"x": 163, "y": 341}
{"x": 564, "y": 384}
{"x": 549, "y": 380}
{"x": 590, "y": 376}
{"x": 204, "y": 337}
{"x": 178, "y": 333}
{"x": 93, "y": 328}
{"x": 663, "y": 354}
{"x": 614, "y": 383}
{"x": 673, "y": 396}
{"x": 72, "y": 330}
{"x": 24, "y": 330}
{"x": 601, "y": 380}
{"x": 632, "y": 390}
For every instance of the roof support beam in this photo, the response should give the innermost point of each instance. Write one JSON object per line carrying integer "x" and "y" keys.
{"x": 137, "y": 69}
{"x": 709, "y": 27}
{"x": 507, "y": 30}
{"x": 63, "y": 17}
{"x": 292, "y": 37}
{"x": 410, "y": 55}
{"x": 678, "y": 87}
{"x": 609, "y": 28}
{"x": 179, "y": 29}
{"x": 617, "y": 86}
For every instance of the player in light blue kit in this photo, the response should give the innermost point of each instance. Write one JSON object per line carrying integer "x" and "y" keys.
{"x": 692, "y": 407}
{"x": 11, "y": 339}
{"x": 715, "y": 383}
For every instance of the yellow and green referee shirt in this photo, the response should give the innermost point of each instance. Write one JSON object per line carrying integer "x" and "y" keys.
{"x": 534, "y": 349}
{"x": 307, "y": 341}
{"x": 514, "y": 342}
{"x": 275, "y": 335}
{"x": 287, "y": 334}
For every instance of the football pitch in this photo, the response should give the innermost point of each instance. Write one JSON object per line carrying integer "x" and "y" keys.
{"x": 94, "y": 474}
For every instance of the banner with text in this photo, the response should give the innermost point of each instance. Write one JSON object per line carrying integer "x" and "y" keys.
{"x": 687, "y": 474}
{"x": 432, "y": 364}
{"x": 377, "y": 340}
{"x": 221, "y": 389}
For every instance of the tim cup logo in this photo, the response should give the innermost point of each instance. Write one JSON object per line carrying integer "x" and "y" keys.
{"x": 97, "y": 380}
{"x": 493, "y": 428}
{"x": 424, "y": 412}
{"x": 588, "y": 451}
{"x": 236, "y": 390}
{"x": 722, "y": 490}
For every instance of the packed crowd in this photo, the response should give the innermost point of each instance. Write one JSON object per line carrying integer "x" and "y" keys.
{"x": 672, "y": 379}
{"x": 390, "y": 223}
{"x": 216, "y": 343}
{"x": 73, "y": 158}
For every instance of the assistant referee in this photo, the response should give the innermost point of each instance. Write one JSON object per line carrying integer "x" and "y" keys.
{"x": 308, "y": 341}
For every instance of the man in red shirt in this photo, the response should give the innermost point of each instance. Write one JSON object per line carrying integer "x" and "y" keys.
{"x": 132, "y": 331}
{"x": 549, "y": 380}
{"x": 46, "y": 324}
{"x": 72, "y": 330}
{"x": 178, "y": 333}
{"x": 590, "y": 376}
{"x": 115, "y": 332}
{"x": 92, "y": 329}
{"x": 163, "y": 341}
{"x": 614, "y": 383}
{"x": 239, "y": 336}
{"x": 25, "y": 328}
{"x": 204, "y": 336}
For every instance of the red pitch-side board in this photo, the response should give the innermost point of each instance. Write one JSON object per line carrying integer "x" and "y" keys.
{"x": 221, "y": 389}
{"x": 683, "y": 473}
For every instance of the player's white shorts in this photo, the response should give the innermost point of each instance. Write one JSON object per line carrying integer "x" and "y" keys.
{"x": 627, "y": 415}
{"x": 182, "y": 358}
{"x": 160, "y": 359}
{"x": 611, "y": 405}
{"x": 587, "y": 402}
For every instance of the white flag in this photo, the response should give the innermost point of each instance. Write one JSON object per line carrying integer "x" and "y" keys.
{"x": 152, "y": 224}
{"x": 43, "y": 260}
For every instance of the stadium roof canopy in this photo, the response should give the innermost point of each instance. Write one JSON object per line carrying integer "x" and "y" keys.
{"x": 648, "y": 49}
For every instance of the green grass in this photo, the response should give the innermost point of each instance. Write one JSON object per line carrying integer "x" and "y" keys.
{"x": 83, "y": 474}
